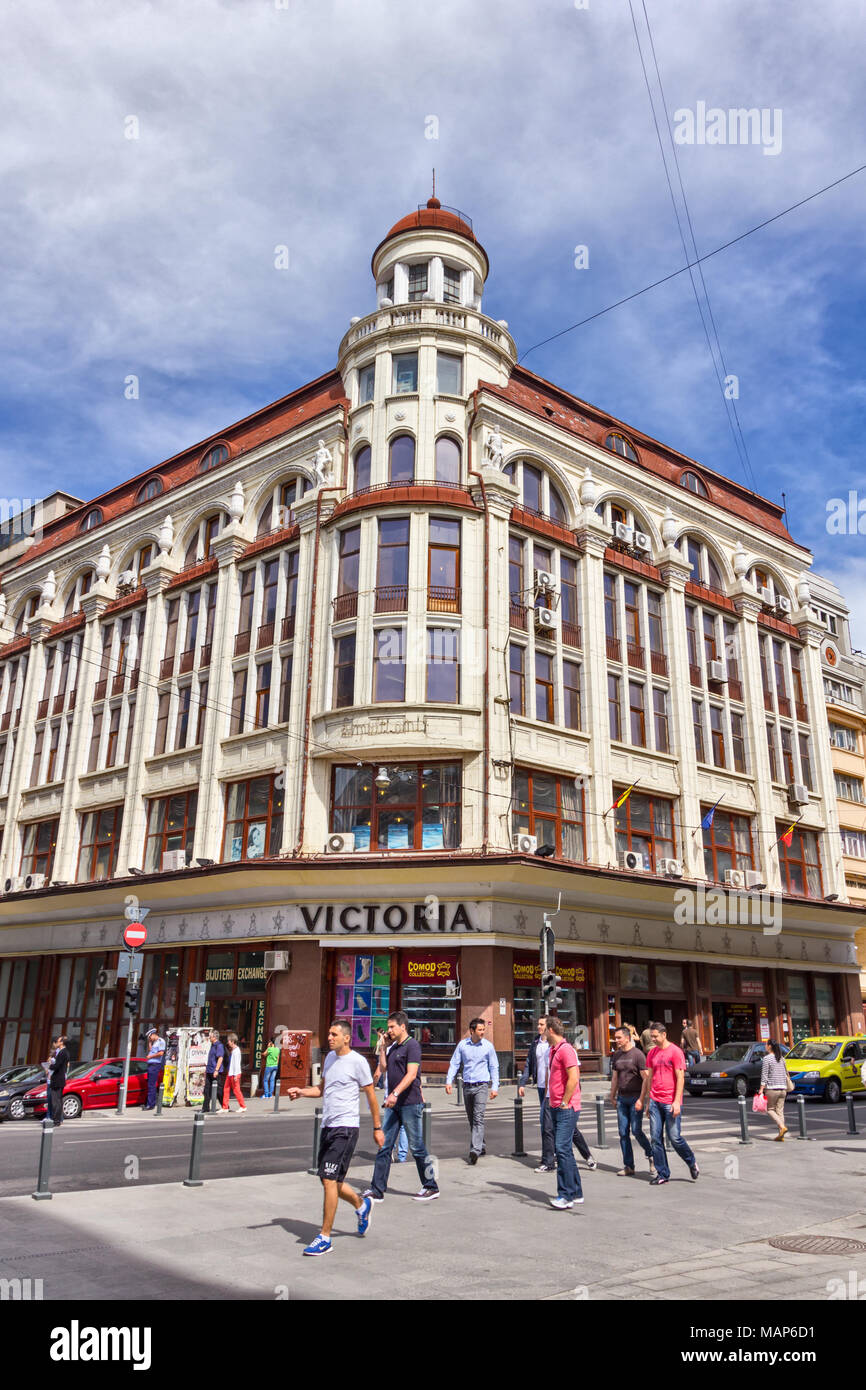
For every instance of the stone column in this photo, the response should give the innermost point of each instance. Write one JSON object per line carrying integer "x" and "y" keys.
{"x": 813, "y": 633}
{"x": 25, "y": 738}
{"x": 676, "y": 572}
{"x": 748, "y": 606}
{"x": 593, "y": 536}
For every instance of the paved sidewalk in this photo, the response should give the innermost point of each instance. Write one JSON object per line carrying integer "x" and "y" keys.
{"x": 492, "y": 1234}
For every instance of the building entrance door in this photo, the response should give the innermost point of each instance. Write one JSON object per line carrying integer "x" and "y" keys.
{"x": 236, "y": 1016}
{"x": 642, "y": 1012}
{"x": 734, "y": 1023}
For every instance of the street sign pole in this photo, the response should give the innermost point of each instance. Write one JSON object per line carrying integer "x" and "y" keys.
{"x": 121, "y": 1105}
{"x": 134, "y": 936}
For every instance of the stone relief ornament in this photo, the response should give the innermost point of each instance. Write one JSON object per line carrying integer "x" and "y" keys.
{"x": 573, "y": 933}
{"x": 103, "y": 564}
{"x": 636, "y": 936}
{"x": 603, "y": 930}
{"x": 669, "y": 936}
{"x": 588, "y": 489}
{"x": 699, "y": 940}
{"x": 49, "y": 588}
{"x": 754, "y": 946}
{"x": 236, "y": 502}
{"x": 278, "y": 920}
{"x": 494, "y": 449}
{"x": 165, "y": 536}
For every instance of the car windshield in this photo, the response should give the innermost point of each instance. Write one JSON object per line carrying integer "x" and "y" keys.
{"x": 23, "y": 1074}
{"x": 815, "y": 1051}
{"x": 730, "y": 1052}
{"x": 82, "y": 1069}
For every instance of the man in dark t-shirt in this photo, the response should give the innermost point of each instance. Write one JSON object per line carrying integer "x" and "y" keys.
{"x": 57, "y": 1080}
{"x": 627, "y": 1071}
{"x": 404, "y": 1105}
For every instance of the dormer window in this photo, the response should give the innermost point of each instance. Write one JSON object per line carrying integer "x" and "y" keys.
{"x": 152, "y": 488}
{"x": 620, "y": 445}
{"x": 93, "y": 518}
{"x": 417, "y": 282}
{"x": 694, "y": 484}
{"x": 450, "y": 285}
{"x": 216, "y": 455}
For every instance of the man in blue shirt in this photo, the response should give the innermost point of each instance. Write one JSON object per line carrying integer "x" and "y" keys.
{"x": 155, "y": 1061}
{"x": 215, "y": 1072}
{"x": 477, "y": 1056}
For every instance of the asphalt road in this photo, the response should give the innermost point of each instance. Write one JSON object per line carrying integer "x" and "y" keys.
{"x": 96, "y": 1152}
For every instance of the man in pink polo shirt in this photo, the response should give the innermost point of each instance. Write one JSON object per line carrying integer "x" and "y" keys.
{"x": 663, "y": 1083}
{"x": 563, "y": 1101}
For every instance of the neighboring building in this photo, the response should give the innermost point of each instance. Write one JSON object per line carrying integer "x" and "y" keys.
{"x": 845, "y": 694}
{"x": 327, "y": 679}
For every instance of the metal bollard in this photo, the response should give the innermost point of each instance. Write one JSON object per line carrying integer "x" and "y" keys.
{"x": 518, "y": 1150}
{"x": 317, "y": 1129}
{"x": 192, "y": 1179}
{"x": 744, "y": 1120}
{"x": 852, "y": 1123}
{"x": 427, "y": 1126}
{"x": 599, "y": 1121}
{"x": 801, "y": 1117}
{"x": 42, "y": 1194}
{"x": 459, "y": 1090}
{"x": 159, "y": 1095}
{"x": 214, "y": 1098}
{"x": 277, "y": 1099}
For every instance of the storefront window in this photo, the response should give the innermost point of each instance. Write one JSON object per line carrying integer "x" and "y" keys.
{"x": 363, "y": 996}
{"x": 721, "y": 981}
{"x": 669, "y": 979}
{"x": 529, "y": 1006}
{"x": 825, "y": 1005}
{"x": 159, "y": 987}
{"x": 429, "y": 984}
{"x": 798, "y": 997}
{"x": 80, "y": 1009}
{"x": 727, "y": 844}
{"x": 254, "y": 819}
{"x": 645, "y": 824}
{"x": 419, "y": 809}
{"x": 633, "y": 975}
{"x": 219, "y": 973}
{"x": 18, "y": 980}
{"x": 551, "y": 808}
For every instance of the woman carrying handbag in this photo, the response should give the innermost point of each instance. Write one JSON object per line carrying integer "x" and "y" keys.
{"x": 775, "y": 1085}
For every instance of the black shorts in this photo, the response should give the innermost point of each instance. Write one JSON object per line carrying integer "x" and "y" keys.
{"x": 336, "y": 1146}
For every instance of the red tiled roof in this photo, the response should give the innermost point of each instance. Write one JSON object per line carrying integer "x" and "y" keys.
{"x": 437, "y": 217}
{"x": 548, "y": 402}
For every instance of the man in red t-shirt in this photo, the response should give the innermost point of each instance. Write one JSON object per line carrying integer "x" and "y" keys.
{"x": 563, "y": 1100}
{"x": 663, "y": 1083}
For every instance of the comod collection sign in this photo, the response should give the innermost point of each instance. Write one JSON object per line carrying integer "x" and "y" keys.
{"x": 527, "y": 971}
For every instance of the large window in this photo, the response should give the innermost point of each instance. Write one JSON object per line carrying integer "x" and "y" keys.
{"x": 848, "y": 788}
{"x": 389, "y": 664}
{"x": 516, "y": 678}
{"x": 646, "y": 824}
{"x": 571, "y": 694}
{"x": 366, "y": 383}
{"x": 405, "y": 373}
{"x": 18, "y": 987}
{"x": 254, "y": 819}
{"x": 801, "y": 863}
{"x": 443, "y": 665}
{"x": 449, "y": 374}
{"x": 843, "y": 738}
{"x": 443, "y": 575}
{"x": 419, "y": 809}
{"x": 552, "y": 809}
{"x": 363, "y": 460}
{"x": 537, "y": 493}
{"x": 544, "y": 687}
{"x": 170, "y": 826}
{"x": 100, "y": 834}
{"x": 401, "y": 459}
{"x": 727, "y": 844}
{"x": 40, "y": 839}
{"x": 347, "y": 574}
{"x": 417, "y": 282}
{"x": 344, "y": 670}
{"x": 447, "y": 460}
{"x": 392, "y": 568}
{"x": 704, "y": 567}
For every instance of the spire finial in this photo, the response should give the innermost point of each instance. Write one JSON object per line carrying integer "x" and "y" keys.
{"x": 434, "y": 183}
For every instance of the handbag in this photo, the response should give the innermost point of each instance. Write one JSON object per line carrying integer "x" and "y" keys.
{"x": 759, "y": 1103}
{"x": 789, "y": 1084}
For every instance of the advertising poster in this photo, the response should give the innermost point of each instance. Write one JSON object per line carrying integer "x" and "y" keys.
{"x": 197, "y": 1049}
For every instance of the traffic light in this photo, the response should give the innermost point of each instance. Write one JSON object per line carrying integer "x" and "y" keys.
{"x": 130, "y": 1002}
{"x": 550, "y": 992}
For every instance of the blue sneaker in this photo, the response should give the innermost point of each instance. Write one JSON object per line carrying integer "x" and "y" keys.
{"x": 365, "y": 1211}
{"x": 320, "y": 1246}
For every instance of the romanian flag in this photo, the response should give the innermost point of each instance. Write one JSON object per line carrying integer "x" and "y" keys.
{"x": 708, "y": 818}
{"x": 622, "y": 799}
{"x": 788, "y": 836}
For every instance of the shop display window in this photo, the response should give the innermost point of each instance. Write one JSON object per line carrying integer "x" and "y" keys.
{"x": 419, "y": 809}
{"x": 170, "y": 826}
{"x": 669, "y": 979}
{"x": 645, "y": 824}
{"x": 551, "y": 808}
{"x": 798, "y": 998}
{"x": 362, "y": 996}
{"x": 727, "y": 844}
{"x": 800, "y": 863}
{"x": 528, "y": 1008}
{"x": 18, "y": 980}
{"x": 826, "y": 1009}
{"x": 254, "y": 819}
{"x": 430, "y": 981}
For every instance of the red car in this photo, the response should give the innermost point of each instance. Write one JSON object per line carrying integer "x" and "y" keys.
{"x": 94, "y": 1085}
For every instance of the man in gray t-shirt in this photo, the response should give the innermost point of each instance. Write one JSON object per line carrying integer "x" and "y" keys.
{"x": 345, "y": 1075}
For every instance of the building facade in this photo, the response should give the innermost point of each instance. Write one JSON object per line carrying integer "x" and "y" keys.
{"x": 325, "y": 684}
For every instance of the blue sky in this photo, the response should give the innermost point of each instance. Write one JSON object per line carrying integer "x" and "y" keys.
{"x": 305, "y": 126}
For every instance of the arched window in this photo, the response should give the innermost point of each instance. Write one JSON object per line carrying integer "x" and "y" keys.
{"x": 362, "y": 468}
{"x": 537, "y": 492}
{"x": 447, "y": 460}
{"x": 620, "y": 445}
{"x": 79, "y": 588}
{"x": 202, "y": 539}
{"x": 277, "y": 513}
{"x": 27, "y": 612}
{"x": 93, "y": 518}
{"x": 402, "y": 459}
{"x": 556, "y": 507}
{"x": 694, "y": 484}
{"x": 620, "y": 514}
{"x": 218, "y": 453}
{"x": 705, "y": 569}
{"x": 152, "y": 488}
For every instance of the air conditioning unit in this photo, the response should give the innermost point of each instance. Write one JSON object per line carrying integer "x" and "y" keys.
{"x": 630, "y": 859}
{"x": 735, "y": 878}
{"x": 673, "y": 868}
{"x": 277, "y": 960}
{"x": 798, "y": 794}
{"x": 545, "y": 582}
{"x": 34, "y": 881}
{"x": 783, "y": 605}
{"x": 338, "y": 843}
{"x": 106, "y": 979}
{"x": 766, "y": 597}
{"x": 13, "y": 885}
{"x": 642, "y": 542}
{"x": 546, "y": 620}
{"x": 525, "y": 844}
{"x": 172, "y": 860}
{"x": 754, "y": 879}
{"x": 716, "y": 671}
{"x": 623, "y": 533}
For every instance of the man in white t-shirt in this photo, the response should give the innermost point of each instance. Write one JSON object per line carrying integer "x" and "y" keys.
{"x": 345, "y": 1075}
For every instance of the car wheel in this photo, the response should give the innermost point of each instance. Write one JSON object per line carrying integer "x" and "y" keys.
{"x": 72, "y": 1107}
{"x": 17, "y": 1108}
{"x": 693, "y": 1092}
{"x": 833, "y": 1091}
{"x": 741, "y": 1086}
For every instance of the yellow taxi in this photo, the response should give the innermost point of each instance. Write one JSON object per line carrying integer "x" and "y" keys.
{"x": 828, "y": 1066}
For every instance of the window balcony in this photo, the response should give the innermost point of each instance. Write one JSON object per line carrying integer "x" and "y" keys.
{"x": 73, "y": 695}
{"x": 571, "y": 635}
{"x": 695, "y": 675}
{"x": 242, "y": 643}
{"x": 166, "y": 668}
{"x": 118, "y": 683}
{"x": 442, "y": 599}
{"x": 133, "y": 683}
{"x": 392, "y": 598}
{"x": 345, "y": 606}
{"x": 186, "y": 660}
{"x": 613, "y": 649}
{"x": 100, "y": 689}
{"x": 636, "y": 657}
{"x": 784, "y": 706}
{"x": 768, "y": 702}
{"x": 802, "y": 712}
{"x": 5, "y": 721}
{"x": 288, "y": 631}
{"x": 204, "y": 656}
{"x": 42, "y": 709}
{"x": 658, "y": 663}
{"x": 265, "y": 636}
{"x": 517, "y": 616}
{"x": 735, "y": 688}
{"x": 58, "y": 704}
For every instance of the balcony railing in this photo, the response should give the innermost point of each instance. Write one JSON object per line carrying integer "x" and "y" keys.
{"x": 265, "y": 636}
{"x": 166, "y": 668}
{"x": 442, "y": 599}
{"x": 100, "y": 689}
{"x": 571, "y": 635}
{"x": 242, "y": 643}
{"x": 768, "y": 701}
{"x": 133, "y": 683}
{"x": 345, "y": 606}
{"x": 5, "y": 721}
{"x": 784, "y": 706}
{"x": 186, "y": 660}
{"x": 405, "y": 482}
{"x": 42, "y": 709}
{"x": 288, "y": 628}
{"x": 517, "y": 616}
{"x": 392, "y": 598}
{"x": 802, "y": 712}
{"x": 117, "y": 683}
{"x": 57, "y": 707}
{"x": 695, "y": 674}
{"x": 612, "y": 646}
{"x": 658, "y": 663}
{"x": 204, "y": 655}
{"x": 73, "y": 695}
{"x": 735, "y": 688}
{"x": 636, "y": 657}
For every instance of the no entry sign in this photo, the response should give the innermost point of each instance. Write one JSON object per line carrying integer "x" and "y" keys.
{"x": 135, "y": 935}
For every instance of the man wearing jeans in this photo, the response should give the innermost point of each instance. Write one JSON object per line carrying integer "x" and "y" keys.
{"x": 480, "y": 1080}
{"x": 536, "y": 1070}
{"x": 663, "y": 1084}
{"x": 563, "y": 1099}
{"x": 404, "y": 1106}
{"x": 627, "y": 1072}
